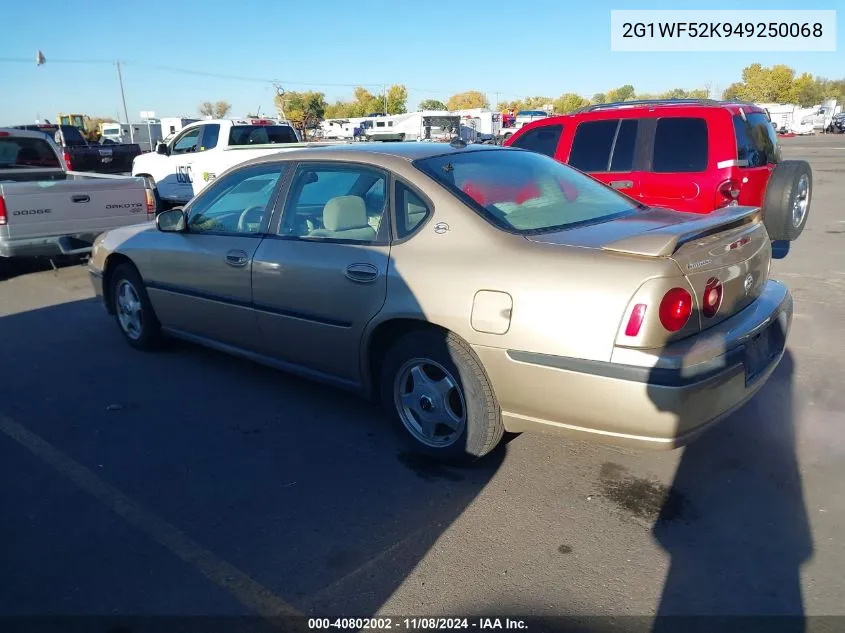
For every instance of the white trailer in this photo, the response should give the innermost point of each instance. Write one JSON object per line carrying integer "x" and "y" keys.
{"x": 145, "y": 133}
{"x": 171, "y": 125}
{"x": 479, "y": 124}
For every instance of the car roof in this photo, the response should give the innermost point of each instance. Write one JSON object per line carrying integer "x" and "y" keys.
{"x": 375, "y": 152}
{"x": 627, "y": 108}
{"x": 8, "y": 131}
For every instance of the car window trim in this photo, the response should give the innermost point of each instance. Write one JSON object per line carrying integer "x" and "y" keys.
{"x": 385, "y": 232}
{"x": 270, "y": 205}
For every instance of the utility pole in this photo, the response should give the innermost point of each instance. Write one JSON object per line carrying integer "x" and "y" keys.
{"x": 123, "y": 98}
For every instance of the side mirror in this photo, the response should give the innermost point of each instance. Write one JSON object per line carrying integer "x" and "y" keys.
{"x": 161, "y": 148}
{"x": 172, "y": 221}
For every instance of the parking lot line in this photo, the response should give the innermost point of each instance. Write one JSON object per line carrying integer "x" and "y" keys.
{"x": 246, "y": 590}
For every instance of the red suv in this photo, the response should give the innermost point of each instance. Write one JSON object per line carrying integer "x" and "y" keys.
{"x": 693, "y": 155}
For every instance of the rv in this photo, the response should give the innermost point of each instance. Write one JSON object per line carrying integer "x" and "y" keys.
{"x": 479, "y": 124}
{"x": 427, "y": 125}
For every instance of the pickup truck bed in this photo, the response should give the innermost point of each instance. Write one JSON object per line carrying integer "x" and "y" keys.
{"x": 110, "y": 158}
{"x": 46, "y": 210}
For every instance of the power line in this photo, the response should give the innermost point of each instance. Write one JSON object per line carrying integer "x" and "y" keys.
{"x": 263, "y": 80}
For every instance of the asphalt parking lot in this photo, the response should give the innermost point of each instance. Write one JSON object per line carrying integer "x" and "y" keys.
{"x": 188, "y": 482}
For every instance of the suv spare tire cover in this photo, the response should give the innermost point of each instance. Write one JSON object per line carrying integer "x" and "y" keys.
{"x": 786, "y": 205}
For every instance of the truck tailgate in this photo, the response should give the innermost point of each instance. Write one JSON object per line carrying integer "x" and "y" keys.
{"x": 79, "y": 205}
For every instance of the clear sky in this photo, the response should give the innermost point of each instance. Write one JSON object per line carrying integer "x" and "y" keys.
{"x": 435, "y": 48}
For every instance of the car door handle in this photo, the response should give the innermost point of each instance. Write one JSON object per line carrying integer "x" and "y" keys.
{"x": 362, "y": 273}
{"x": 237, "y": 258}
{"x": 81, "y": 198}
{"x": 621, "y": 184}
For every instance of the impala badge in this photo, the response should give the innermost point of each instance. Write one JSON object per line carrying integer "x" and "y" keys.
{"x": 749, "y": 281}
{"x": 699, "y": 264}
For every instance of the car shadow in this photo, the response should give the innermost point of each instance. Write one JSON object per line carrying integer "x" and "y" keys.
{"x": 734, "y": 522}
{"x": 18, "y": 266}
{"x": 303, "y": 487}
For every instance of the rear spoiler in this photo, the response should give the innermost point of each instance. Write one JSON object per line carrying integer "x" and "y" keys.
{"x": 664, "y": 241}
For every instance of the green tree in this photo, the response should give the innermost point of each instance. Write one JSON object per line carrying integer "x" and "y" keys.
{"x": 733, "y": 92}
{"x": 599, "y": 97}
{"x": 304, "y": 109}
{"x": 569, "y": 102}
{"x": 432, "y": 104}
{"x": 397, "y": 99}
{"x": 467, "y": 100}
{"x": 623, "y": 93}
{"x": 699, "y": 93}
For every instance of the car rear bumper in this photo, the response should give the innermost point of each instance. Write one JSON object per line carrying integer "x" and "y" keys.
{"x": 47, "y": 246}
{"x": 658, "y": 399}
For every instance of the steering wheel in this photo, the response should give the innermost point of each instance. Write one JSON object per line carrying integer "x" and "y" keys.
{"x": 242, "y": 221}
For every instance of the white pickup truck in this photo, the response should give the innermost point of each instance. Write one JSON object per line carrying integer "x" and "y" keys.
{"x": 46, "y": 210}
{"x": 201, "y": 151}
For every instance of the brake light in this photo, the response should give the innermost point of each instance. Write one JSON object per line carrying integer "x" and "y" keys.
{"x": 67, "y": 160}
{"x": 151, "y": 202}
{"x": 712, "y": 297}
{"x": 4, "y": 134}
{"x": 3, "y": 219}
{"x": 635, "y": 321}
{"x": 675, "y": 309}
{"x": 727, "y": 194}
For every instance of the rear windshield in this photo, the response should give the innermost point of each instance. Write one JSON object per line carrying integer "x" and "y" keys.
{"x": 525, "y": 192}
{"x": 22, "y": 153}
{"x": 261, "y": 134}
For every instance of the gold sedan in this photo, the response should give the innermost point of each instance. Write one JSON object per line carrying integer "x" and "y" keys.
{"x": 470, "y": 289}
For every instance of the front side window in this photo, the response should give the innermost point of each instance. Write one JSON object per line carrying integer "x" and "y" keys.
{"x": 680, "y": 145}
{"x": 335, "y": 202}
{"x": 187, "y": 142}
{"x": 542, "y": 139}
{"x": 526, "y": 192}
{"x": 238, "y": 203}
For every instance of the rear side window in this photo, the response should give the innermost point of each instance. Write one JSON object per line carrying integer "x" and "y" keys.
{"x": 261, "y": 134}
{"x": 22, "y": 153}
{"x": 756, "y": 142}
{"x": 542, "y": 140}
{"x": 680, "y": 145}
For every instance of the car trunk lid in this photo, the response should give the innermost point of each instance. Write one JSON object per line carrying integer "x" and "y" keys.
{"x": 729, "y": 248}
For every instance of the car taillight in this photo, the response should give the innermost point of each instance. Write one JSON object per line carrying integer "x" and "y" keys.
{"x": 2, "y": 211}
{"x": 675, "y": 309}
{"x": 635, "y": 321}
{"x": 151, "y": 201}
{"x": 712, "y": 297}
{"x": 67, "y": 160}
{"x": 727, "y": 194}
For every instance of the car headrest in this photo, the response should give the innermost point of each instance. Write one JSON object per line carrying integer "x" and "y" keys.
{"x": 345, "y": 212}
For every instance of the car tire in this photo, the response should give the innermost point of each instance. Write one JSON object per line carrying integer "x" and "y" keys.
{"x": 786, "y": 205}
{"x": 133, "y": 310}
{"x": 453, "y": 416}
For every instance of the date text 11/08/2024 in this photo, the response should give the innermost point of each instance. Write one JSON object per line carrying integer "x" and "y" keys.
{"x": 416, "y": 624}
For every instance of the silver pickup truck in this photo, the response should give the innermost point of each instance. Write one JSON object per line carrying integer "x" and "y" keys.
{"x": 46, "y": 210}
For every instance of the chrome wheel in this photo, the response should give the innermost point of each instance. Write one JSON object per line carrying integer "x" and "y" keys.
{"x": 802, "y": 201}
{"x": 129, "y": 311}
{"x": 430, "y": 403}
